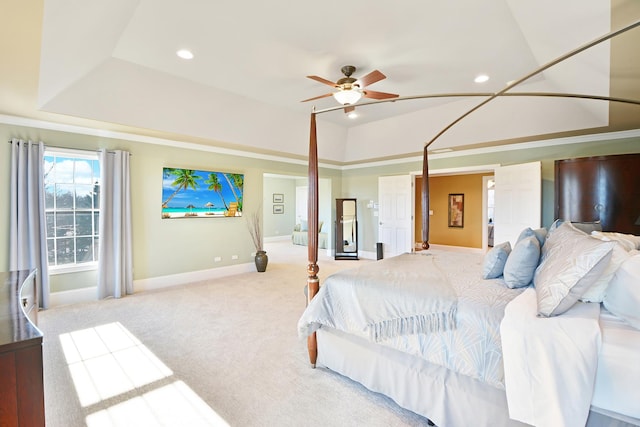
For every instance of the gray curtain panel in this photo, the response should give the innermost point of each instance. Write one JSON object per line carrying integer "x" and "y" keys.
{"x": 28, "y": 240}
{"x": 115, "y": 269}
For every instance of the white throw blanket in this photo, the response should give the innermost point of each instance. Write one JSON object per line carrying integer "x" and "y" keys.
{"x": 550, "y": 363}
{"x": 407, "y": 294}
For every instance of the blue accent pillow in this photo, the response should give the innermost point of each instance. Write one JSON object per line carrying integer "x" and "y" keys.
{"x": 522, "y": 263}
{"x": 540, "y": 233}
{"x": 494, "y": 261}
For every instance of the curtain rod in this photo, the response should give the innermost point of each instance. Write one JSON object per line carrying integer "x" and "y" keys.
{"x": 76, "y": 149}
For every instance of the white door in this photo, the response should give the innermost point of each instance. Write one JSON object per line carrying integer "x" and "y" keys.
{"x": 394, "y": 217}
{"x": 518, "y": 200}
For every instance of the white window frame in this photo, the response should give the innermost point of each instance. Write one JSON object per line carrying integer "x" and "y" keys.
{"x": 77, "y": 154}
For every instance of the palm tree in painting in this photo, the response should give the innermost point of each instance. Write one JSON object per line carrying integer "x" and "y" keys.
{"x": 214, "y": 184}
{"x": 236, "y": 183}
{"x": 184, "y": 178}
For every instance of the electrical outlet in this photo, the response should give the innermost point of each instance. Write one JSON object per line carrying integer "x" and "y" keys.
{"x": 217, "y": 259}
{"x": 234, "y": 256}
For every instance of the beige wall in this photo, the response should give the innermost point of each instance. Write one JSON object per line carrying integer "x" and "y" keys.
{"x": 470, "y": 235}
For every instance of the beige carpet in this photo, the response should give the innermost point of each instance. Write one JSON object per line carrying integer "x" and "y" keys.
{"x": 221, "y": 352}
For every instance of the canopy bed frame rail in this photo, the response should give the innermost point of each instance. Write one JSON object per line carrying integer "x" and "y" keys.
{"x": 313, "y": 283}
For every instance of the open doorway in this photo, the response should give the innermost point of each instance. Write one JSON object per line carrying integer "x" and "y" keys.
{"x": 470, "y": 182}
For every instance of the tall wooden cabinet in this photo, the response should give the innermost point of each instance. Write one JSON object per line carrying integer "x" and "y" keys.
{"x": 604, "y": 188}
{"x": 21, "y": 376}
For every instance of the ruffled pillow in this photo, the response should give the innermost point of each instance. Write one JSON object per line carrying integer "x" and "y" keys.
{"x": 628, "y": 241}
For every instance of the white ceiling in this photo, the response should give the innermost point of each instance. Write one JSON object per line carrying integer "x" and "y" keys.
{"x": 115, "y": 61}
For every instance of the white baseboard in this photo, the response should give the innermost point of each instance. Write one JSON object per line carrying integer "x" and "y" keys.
{"x": 277, "y": 238}
{"x": 458, "y": 248}
{"x": 162, "y": 282}
{"x": 74, "y": 296}
{"x": 368, "y": 255}
{"x": 143, "y": 285}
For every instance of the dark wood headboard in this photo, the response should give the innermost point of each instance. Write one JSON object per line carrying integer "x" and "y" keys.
{"x": 603, "y": 188}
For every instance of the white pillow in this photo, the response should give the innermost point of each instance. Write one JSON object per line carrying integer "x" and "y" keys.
{"x": 628, "y": 241}
{"x": 522, "y": 263}
{"x": 303, "y": 225}
{"x": 597, "y": 291}
{"x": 623, "y": 293}
{"x": 572, "y": 264}
{"x": 494, "y": 261}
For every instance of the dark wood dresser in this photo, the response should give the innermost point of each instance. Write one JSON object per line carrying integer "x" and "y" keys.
{"x": 604, "y": 188}
{"x": 21, "y": 380}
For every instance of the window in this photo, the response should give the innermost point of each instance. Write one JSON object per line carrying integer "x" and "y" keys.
{"x": 72, "y": 201}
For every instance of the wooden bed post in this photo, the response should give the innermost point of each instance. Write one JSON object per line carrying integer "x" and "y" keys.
{"x": 425, "y": 199}
{"x": 313, "y": 283}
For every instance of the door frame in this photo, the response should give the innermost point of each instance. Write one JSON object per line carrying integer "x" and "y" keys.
{"x": 466, "y": 170}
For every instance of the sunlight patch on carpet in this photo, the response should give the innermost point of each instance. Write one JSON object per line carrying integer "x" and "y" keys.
{"x": 108, "y": 361}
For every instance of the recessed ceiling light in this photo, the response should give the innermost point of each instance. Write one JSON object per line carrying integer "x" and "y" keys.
{"x": 352, "y": 115}
{"x": 481, "y": 78}
{"x": 185, "y": 54}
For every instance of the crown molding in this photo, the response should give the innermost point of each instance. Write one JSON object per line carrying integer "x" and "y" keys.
{"x": 42, "y": 124}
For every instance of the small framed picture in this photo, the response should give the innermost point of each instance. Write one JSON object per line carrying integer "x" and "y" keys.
{"x": 278, "y": 209}
{"x": 456, "y": 210}
{"x": 278, "y": 198}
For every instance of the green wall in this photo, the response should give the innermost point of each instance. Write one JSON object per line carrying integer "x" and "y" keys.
{"x": 160, "y": 247}
{"x": 166, "y": 247}
{"x": 276, "y": 224}
{"x": 363, "y": 182}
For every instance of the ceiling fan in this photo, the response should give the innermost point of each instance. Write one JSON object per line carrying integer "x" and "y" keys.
{"x": 350, "y": 90}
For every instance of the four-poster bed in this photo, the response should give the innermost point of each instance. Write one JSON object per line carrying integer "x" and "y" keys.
{"x": 443, "y": 391}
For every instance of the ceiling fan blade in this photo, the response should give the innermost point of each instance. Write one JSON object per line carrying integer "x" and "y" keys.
{"x": 379, "y": 95}
{"x": 371, "y": 78}
{"x": 317, "y": 97}
{"x": 323, "y": 81}
{"x": 349, "y": 109}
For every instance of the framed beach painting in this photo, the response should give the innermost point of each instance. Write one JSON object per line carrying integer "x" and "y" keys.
{"x": 191, "y": 193}
{"x": 456, "y": 210}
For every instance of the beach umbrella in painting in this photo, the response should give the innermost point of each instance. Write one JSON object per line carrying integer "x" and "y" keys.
{"x": 190, "y": 207}
{"x": 209, "y": 205}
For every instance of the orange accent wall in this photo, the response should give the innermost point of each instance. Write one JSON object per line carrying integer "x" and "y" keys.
{"x": 439, "y": 188}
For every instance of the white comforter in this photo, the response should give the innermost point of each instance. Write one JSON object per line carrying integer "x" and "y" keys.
{"x": 550, "y": 363}
{"x": 406, "y": 294}
{"x": 472, "y": 348}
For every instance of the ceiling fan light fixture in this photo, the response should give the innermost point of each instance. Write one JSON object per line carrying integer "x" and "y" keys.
{"x": 347, "y": 97}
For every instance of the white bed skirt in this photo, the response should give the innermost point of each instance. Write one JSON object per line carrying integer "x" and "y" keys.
{"x": 429, "y": 390}
{"x": 444, "y": 397}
